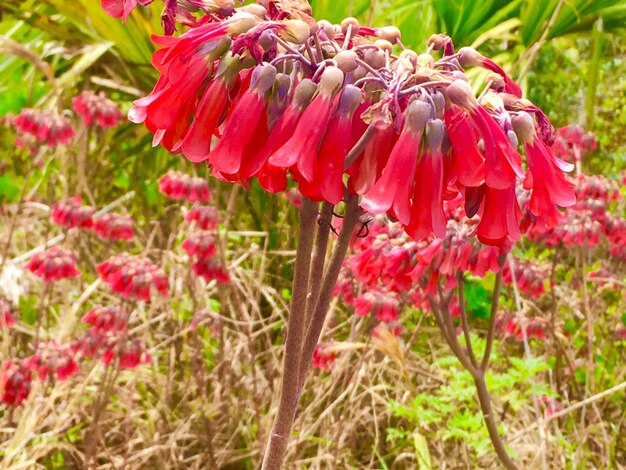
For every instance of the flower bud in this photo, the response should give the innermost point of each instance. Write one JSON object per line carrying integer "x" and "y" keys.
{"x": 524, "y": 126}
{"x": 328, "y": 29}
{"x": 460, "y": 93}
{"x": 426, "y": 61}
{"x": 390, "y": 33}
{"x": 440, "y": 103}
{"x": 384, "y": 45}
{"x": 512, "y": 137}
{"x": 295, "y": 31}
{"x": 304, "y": 93}
{"x": 416, "y": 115}
{"x": 410, "y": 55}
{"x": 435, "y": 132}
{"x": 266, "y": 41}
{"x": 346, "y": 60}
{"x": 257, "y": 10}
{"x": 469, "y": 57}
{"x": 375, "y": 58}
{"x": 331, "y": 81}
{"x": 346, "y": 23}
{"x": 438, "y": 41}
{"x": 497, "y": 81}
{"x": 241, "y": 22}
{"x": 263, "y": 78}
{"x": 351, "y": 97}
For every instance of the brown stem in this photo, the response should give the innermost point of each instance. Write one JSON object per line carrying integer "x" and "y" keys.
{"x": 350, "y": 220}
{"x": 319, "y": 258}
{"x": 279, "y": 436}
{"x": 490, "y": 421}
{"x": 491, "y": 331}
{"x": 465, "y": 322}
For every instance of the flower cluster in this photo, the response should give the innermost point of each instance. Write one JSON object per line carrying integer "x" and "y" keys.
{"x": 96, "y": 108}
{"x": 324, "y": 357}
{"x": 200, "y": 245}
{"x": 46, "y": 127}
{"x": 571, "y": 143}
{"x": 114, "y": 227}
{"x": 204, "y": 217}
{"x": 6, "y": 314}
{"x": 530, "y": 277}
{"x": 177, "y": 185}
{"x": 52, "y": 361}
{"x": 54, "y": 264}
{"x": 70, "y": 213}
{"x": 133, "y": 277}
{"x": 535, "y": 328}
{"x": 15, "y": 382}
{"x": 285, "y": 95}
{"x": 108, "y": 339}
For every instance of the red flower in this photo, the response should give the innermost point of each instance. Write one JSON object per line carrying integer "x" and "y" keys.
{"x": 122, "y": 8}
{"x": 15, "y": 382}
{"x": 427, "y": 207}
{"x": 54, "y": 264}
{"x": 6, "y": 316}
{"x": 133, "y": 277}
{"x": 69, "y": 213}
{"x": 393, "y": 189}
{"x": 210, "y": 270}
{"x": 323, "y": 357}
{"x": 469, "y": 162}
{"x": 545, "y": 171}
{"x": 106, "y": 319}
{"x": 200, "y": 245}
{"x": 177, "y": 185}
{"x": 471, "y": 57}
{"x": 499, "y": 221}
{"x": 96, "y": 108}
{"x": 46, "y": 127}
{"x": 52, "y": 361}
{"x": 205, "y": 217}
{"x": 502, "y": 162}
{"x": 114, "y": 227}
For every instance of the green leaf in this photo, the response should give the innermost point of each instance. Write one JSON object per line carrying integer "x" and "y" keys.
{"x": 421, "y": 452}
{"x": 10, "y": 188}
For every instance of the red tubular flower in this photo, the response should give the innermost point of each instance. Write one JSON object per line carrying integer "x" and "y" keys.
{"x": 54, "y": 264}
{"x": 6, "y": 316}
{"x": 126, "y": 355}
{"x": 205, "y": 217}
{"x": 427, "y": 208}
{"x": 545, "y": 171}
{"x": 133, "y": 277}
{"x": 272, "y": 177}
{"x": 52, "y": 361}
{"x": 106, "y": 319}
{"x": 335, "y": 146}
{"x": 323, "y": 357}
{"x": 211, "y": 270}
{"x": 368, "y": 169}
{"x": 177, "y": 185}
{"x": 301, "y": 148}
{"x": 96, "y": 108}
{"x": 122, "y": 8}
{"x": 114, "y": 227}
{"x": 200, "y": 245}
{"x": 469, "y": 162}
{"x": 246, "y": 126}
{"x": 393, "y": 189}
{"x": 46, "y": 127}
{"x": 196, "y": 145}
{"x": 502, "y": 162}
{"x": 69, "y": 213}
{"x": 499, "y": 221}
{"x": 15, "y": 382}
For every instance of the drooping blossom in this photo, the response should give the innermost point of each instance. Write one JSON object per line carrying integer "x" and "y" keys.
{"x": 200, "y": 245}
{"x": 96, "y": 109}
{"x": 126, "y": 354}
{"x": 106, "y": 319}
{"x": 114, "y": 227}
{"x": 324, "y": 357}
{"x": 122, "y": 8}
{"x": 205, "y": 217}
{"x": 535, "y": 328}
{"x": 211, "y": 270}
{"x": 383, "y": 306}
{"x": 179, "y": 186}
{"x": 530, "y": 277}
{"x": 571, "y": 143}
{"x": 54, "y": 264}
{"x": 15, "y": 382}
{"x": 133, "y": 277}
{"x": 52, "y": 361}
{"x": 70, "y": 213}
{"x": 247, "y": 91}
{"x": 46, "y": 127}
{"x": 6, "y": 314}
